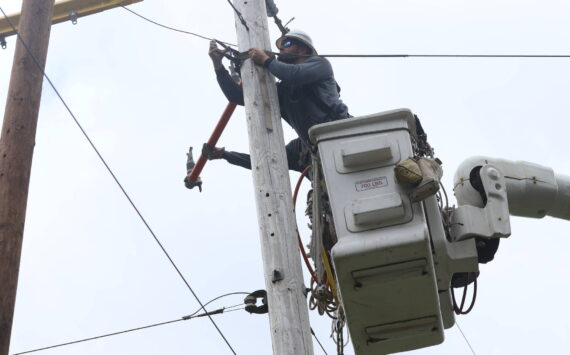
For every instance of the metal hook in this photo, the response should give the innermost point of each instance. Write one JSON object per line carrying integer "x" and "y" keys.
{"x": 73, "y": 15}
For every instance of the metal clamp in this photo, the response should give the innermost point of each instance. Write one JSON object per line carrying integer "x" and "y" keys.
{"x": 251, "y": 302}
{"x": 73, "y": 16}
{"x": 235, "y": 56}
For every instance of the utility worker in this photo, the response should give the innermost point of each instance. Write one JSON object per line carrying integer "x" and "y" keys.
{"x": 308, "y": 94}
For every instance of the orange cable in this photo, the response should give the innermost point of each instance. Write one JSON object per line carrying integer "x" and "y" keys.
{"x": 301, "y": 247}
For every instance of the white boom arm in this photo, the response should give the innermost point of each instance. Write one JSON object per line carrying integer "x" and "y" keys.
{"x": 532, "y": 190}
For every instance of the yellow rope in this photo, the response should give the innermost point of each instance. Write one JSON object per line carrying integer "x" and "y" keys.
{"x": 329, "y": 273}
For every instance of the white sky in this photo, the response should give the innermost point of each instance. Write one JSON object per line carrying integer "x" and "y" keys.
{"x": 144, "y": 94}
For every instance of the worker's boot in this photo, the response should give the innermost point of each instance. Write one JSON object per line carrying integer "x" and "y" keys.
{"x": 212, "y": 153}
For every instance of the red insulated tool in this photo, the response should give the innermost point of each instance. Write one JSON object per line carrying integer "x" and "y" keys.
{"x": 194, "y": 169}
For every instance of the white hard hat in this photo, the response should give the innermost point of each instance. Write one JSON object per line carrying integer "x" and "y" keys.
{"x": 301, "y": 37}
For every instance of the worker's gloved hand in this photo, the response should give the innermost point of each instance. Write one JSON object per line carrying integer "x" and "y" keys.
{"x": 258, "y": 56}
{"x": 212, "y": 153}
{"x": 216, "y": 54}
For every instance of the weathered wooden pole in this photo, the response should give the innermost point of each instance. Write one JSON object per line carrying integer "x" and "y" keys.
{"x": 288, "y": 311}
{"x": 16, "y": 150}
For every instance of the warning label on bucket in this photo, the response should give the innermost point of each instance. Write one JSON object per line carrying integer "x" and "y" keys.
{"x": 373, "y": 183}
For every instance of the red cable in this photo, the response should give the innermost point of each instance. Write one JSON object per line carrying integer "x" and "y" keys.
{"x": 301, "y": 247}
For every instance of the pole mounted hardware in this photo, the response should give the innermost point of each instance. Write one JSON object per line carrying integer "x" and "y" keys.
{"x": 250, "y": 302}
{"x": 272, "y": 11}
{"x": 73, "y": 16}
{"x": 234, "y": 56}
{"x": 277, "y": 276}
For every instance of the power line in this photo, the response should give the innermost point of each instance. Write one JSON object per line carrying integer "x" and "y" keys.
{"x": 190, "y": 316}
{"x": 315, "y": 336}
{"x": 239, "y": 15}
{"x": 99, "y": 337}
{"x": 445, "y": 55}
{"x": 552, "y": 56}
{"x": 217, "y": 298}
{"x": 464, "y": 337}
{"x": 218, "y": 311}
{"x": 114, "y": 177}
{"x": 172, "y": 28}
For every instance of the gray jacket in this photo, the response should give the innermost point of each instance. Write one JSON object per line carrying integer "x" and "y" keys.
{"x": 308, "y": 93}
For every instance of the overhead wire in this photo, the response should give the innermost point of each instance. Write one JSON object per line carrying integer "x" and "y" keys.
{"x": 317, "y": 339}
{"x": 99, "y": 337}
{"x": 188, "y": 317}
{"x": 172, "y": 28}
{"x": 239, "y": 15}
{"x": 114, "y": 176}
{"x": 551, "y": 56}
{"x": 464, "y": 337}
{"x": 443, "y": 55}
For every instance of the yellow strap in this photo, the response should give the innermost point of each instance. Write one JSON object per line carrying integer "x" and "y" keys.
{"x": 329, "y": 273}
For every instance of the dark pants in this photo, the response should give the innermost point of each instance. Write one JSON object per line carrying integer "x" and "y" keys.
{"x": 298, "y": 156}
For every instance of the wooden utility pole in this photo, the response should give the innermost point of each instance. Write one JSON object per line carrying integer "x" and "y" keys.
{"x": 288, "y": 311}
{"x": 16, "y": 150}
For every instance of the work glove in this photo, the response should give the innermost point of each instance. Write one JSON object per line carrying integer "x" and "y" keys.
{"x": 423, "y": 174}
{"x": 216, "y": 54}
{"x": 212, "y": 153}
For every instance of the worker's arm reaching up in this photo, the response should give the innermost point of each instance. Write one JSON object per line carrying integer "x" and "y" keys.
{"x": 308, "y": 93}
{"x": 231, "y": 90}
{"x": 294, "y": 71}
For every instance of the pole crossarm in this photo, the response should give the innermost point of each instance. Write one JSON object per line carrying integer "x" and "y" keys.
{"x": 67, "y": 10}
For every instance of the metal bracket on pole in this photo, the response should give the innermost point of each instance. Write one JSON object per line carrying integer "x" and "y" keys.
{"x": 73, "y": 16}
{"x": 277, "y": 276}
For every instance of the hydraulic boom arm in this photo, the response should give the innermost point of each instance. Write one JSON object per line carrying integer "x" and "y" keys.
{"x": 532, "y": 190}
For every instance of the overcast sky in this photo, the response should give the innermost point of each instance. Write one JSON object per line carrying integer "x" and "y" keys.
{"x": 144, "y": 94}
